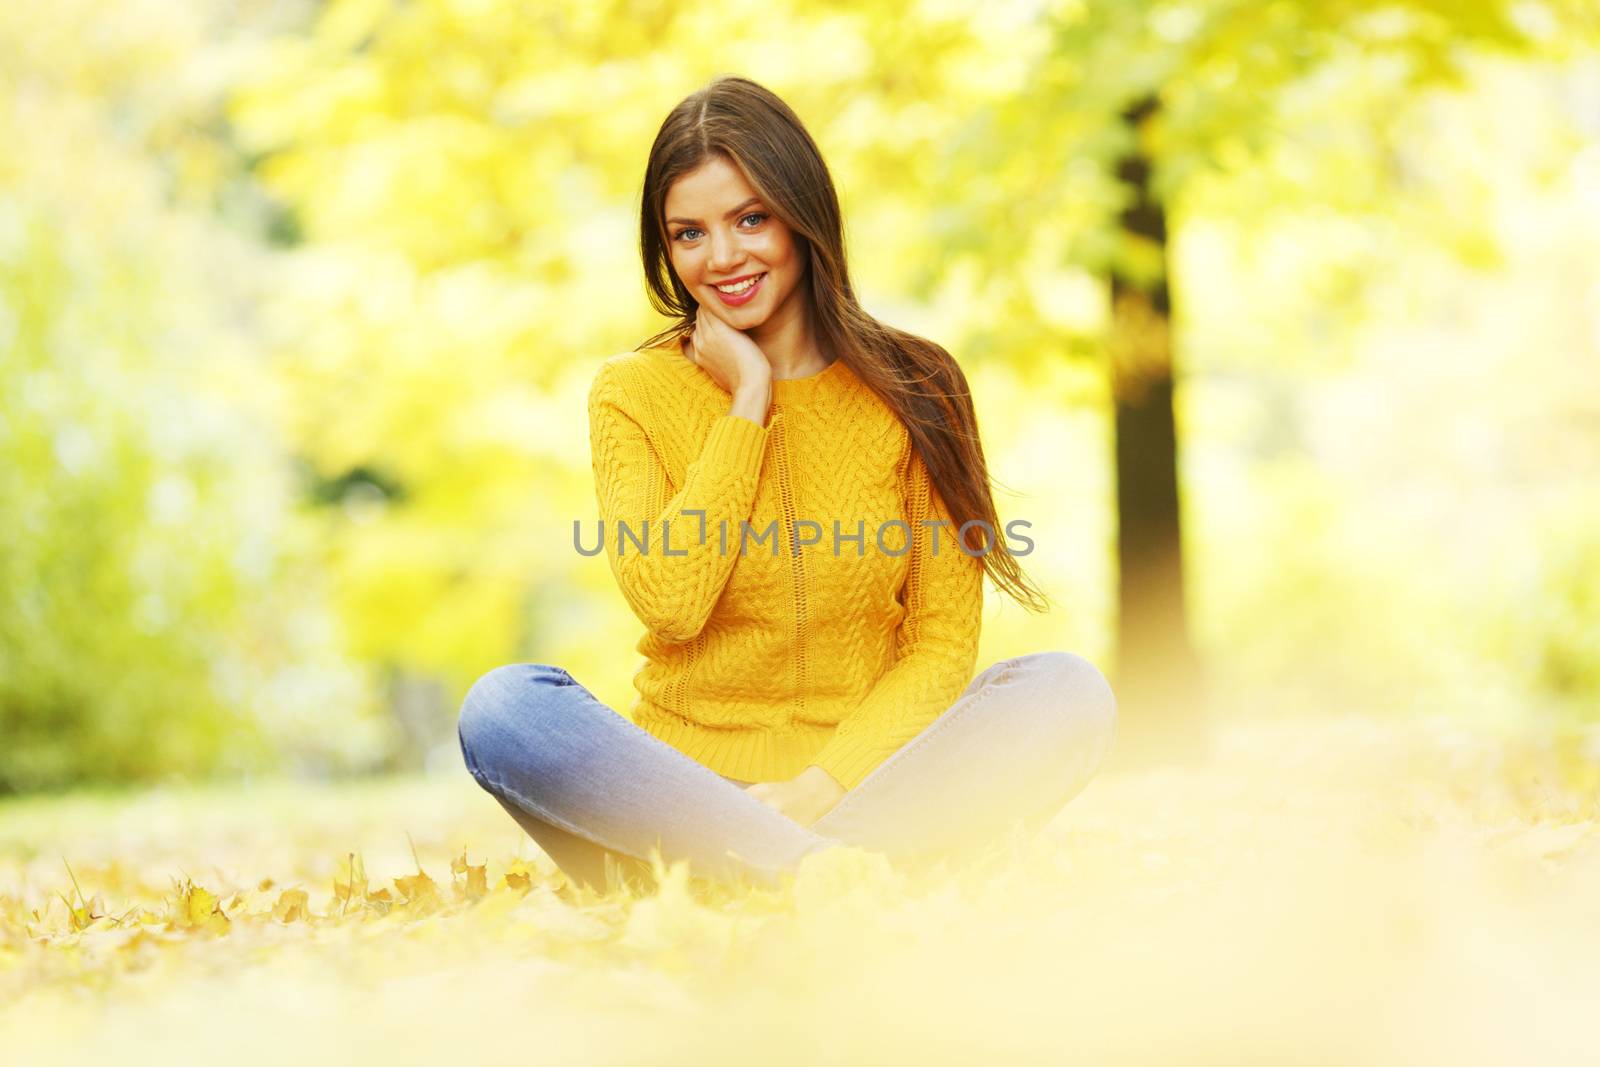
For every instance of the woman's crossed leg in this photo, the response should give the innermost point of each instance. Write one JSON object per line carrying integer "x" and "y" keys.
{"x": 1022, "y": 739}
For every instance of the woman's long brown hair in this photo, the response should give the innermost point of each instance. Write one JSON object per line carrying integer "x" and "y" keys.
{"x": 757, "y": 132}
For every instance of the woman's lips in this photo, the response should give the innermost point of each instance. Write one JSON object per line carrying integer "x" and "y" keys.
{"x": 735, "y": 299}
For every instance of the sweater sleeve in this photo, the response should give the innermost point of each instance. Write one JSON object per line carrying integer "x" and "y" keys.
{"x": 675, "y": 581}
{"x": 936, "y": 645}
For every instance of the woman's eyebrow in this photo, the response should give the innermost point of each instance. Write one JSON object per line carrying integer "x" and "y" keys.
{"x": 727, "y": 215}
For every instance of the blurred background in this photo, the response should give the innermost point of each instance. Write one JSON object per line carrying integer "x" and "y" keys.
{"x": 1282, "y": 320}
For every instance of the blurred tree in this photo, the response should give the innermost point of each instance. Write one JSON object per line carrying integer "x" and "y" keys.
{"x": 1127, "y": 103}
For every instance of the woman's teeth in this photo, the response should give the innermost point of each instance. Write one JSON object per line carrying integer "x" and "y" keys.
{"x": 740, "y": 287}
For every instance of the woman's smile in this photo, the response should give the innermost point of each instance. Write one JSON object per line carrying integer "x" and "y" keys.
{"x": 744, "y": 291}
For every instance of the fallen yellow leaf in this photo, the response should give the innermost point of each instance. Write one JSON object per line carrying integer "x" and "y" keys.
{"x": 291, "y": 906}
{"x": 477, "y": 878}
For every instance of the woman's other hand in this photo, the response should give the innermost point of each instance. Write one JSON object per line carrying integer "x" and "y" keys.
{"x": 805, "y": 798}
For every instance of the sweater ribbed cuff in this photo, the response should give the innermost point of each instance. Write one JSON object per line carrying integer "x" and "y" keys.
{"x": 735, "y": 443}
{"x": 850, "y": 758}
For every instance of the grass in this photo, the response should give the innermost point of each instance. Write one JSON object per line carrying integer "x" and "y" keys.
{"x": 1321, "y": 891}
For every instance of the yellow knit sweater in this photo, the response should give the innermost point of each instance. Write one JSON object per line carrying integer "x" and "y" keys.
{"x": 760, "y": 663}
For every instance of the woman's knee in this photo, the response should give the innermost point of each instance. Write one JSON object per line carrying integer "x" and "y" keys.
{"x": 499, "y": 704}
{"x": 1077, "y": 690}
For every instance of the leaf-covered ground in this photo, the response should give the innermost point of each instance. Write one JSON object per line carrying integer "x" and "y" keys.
{"x": 1331, "y": 892}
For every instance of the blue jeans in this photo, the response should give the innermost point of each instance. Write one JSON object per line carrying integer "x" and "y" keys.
{"x": 586, "y": 783}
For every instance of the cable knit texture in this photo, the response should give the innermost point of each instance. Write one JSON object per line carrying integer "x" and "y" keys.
{"x": 758, "y": 664}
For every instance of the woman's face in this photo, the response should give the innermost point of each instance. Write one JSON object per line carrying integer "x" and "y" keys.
{"x": 720, "y": 233}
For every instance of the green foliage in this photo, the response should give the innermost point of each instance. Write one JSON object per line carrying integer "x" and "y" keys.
{"x": 157, "y": 617}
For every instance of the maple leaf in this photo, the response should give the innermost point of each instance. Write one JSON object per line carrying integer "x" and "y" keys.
{"x": 477, "y": 878}
{"x": 200, "y": 909}
{"x": 419, "y": 891}
{"x": 518, "y": 876}
{"x": 291, "y": 906}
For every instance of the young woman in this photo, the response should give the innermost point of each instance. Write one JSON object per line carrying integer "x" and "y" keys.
{"x": 823, "y": 693}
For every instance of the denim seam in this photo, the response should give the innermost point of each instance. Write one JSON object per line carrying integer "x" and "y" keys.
{"x": 539, "y": 811}
{"x": 498, "y": 788}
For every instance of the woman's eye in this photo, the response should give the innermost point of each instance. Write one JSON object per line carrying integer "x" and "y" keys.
{"x": 684, "y": 234}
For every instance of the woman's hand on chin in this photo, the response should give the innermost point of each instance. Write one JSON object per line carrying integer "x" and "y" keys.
{"x": 730, "y": 356}
{"x": 805, "y": 798}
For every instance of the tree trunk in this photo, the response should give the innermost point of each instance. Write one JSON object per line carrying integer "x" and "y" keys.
{"x": 1157, "y": 673}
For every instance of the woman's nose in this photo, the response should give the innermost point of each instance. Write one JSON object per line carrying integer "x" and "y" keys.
{"x": 725, "y": 254}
